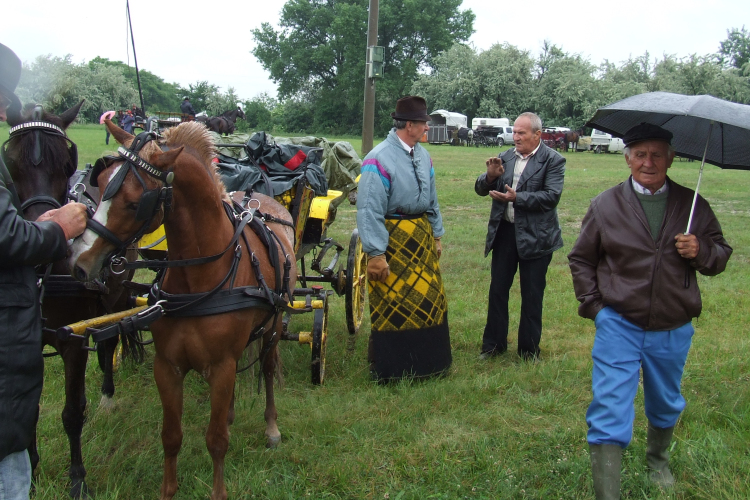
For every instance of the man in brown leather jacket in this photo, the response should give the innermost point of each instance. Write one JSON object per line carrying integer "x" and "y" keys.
{"x": 634, "y": 274}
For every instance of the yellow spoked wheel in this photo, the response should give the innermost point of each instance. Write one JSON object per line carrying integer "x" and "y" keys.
{"x": 117, "y": 357}
{"x": 356, "y": 283}
{"x": 319, "y": 340}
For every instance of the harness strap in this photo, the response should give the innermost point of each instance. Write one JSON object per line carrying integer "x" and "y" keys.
{"x": 197, "y": 304}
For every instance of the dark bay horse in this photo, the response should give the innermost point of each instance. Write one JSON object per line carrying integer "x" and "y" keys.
{"x": 224, "y": 123}
{"x": 212, "y": 254}
{"x": 571, "y": 139}
{"x": 42, "y": 160}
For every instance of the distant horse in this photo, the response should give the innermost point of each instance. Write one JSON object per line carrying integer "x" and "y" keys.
{"x": 465, "y": 136}
{"x": 200, "y": 331}
{"x": 571, "y": 139}
{"x": 224, "y": 123}
{"x": 41, "y": 160}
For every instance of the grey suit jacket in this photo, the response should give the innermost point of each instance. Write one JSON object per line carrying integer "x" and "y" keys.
{"x": 538, "y": 192}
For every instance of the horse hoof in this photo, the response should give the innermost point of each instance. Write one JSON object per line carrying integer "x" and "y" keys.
{"x": 80, "y": 491}
{"x": 273, "y": 441}
{"x": 106, "y": 403}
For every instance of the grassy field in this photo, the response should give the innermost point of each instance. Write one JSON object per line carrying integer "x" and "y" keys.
{"x": 491, "y": 430}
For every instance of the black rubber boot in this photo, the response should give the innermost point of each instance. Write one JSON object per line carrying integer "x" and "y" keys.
{"x": 605, "y": 469}
{"x": 657, "y": 455}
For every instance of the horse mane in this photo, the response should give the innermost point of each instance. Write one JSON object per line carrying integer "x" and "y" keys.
{"x": 21, "y": 147}
{"x": 197, "y": 140}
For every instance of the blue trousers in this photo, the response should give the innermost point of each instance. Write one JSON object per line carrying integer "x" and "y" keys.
{"x": 15, "y": 476}
{"x": 621, "y": 350}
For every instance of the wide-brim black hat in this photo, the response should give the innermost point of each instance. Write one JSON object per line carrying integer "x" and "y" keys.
{"x": 411, "y": 108}
{"x": 646, "y": 132}
{"x": 10, "y": 74}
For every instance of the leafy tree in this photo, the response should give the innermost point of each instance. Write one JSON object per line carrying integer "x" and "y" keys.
{"x": 318, "y": 55}
{"x": 258, "y": 112}
{"x": 58, "y": 84}
{"x": 158, "y": 95}
{"x": 567, "y": 92}
{"x": 735, "y": 50}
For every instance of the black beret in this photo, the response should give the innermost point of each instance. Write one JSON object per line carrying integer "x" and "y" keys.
{"x": 646, "y": 132}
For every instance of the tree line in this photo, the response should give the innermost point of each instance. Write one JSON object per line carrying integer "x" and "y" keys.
{"x": 316, "y": 57}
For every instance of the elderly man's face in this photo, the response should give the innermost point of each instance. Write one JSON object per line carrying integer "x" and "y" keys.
{"x": 648, "y": 162}
{"x": 415, "y": 131}
{"x": 526, "y": 141}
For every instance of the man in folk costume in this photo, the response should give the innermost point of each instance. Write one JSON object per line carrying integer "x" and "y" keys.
{"x": 400, "y": 225}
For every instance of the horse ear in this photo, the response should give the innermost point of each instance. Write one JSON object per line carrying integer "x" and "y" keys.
{"x": 68, "y": 116}
{"x": 119, "y": 134}
{"x": 163, "y": 160}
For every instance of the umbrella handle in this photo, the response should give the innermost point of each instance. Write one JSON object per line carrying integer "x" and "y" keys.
{"x": 695, "y": 196}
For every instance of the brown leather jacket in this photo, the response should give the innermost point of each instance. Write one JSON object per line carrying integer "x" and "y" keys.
{"x": 615, "y": 261}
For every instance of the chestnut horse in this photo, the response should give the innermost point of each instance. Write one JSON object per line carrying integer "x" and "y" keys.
{"x": 571, "y": 139}
{"x": 210, "y": 254}
{"x": 42, "y": 160}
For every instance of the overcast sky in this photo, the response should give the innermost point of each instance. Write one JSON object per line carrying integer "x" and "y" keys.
{"x": 187, "y": 41}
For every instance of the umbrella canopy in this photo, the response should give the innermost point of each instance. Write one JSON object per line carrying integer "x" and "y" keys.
{"x": 689, "y": 118}
{"x": 106, "y": 115}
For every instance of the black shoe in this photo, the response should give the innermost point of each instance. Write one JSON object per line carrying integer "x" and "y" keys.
{"x": 491, "y": 353}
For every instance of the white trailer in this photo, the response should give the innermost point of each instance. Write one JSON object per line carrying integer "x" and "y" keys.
{"x": 442, "y": 125}
{"x": 489, "y": 122}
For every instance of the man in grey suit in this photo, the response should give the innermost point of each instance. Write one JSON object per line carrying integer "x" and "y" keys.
{"x": 525, "y": 184}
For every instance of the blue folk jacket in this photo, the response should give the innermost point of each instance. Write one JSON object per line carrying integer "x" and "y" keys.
{"x": 392, "y": 184}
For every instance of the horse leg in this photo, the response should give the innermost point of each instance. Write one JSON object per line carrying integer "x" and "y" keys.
{"x": 73, "y": 414}
{"x": 169, "y": 381}
{"x": 273, "y": 436}
{"x": 221, "y": 381}
{"x": 105, "y": 353}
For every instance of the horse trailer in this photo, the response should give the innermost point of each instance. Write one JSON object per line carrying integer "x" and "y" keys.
{"x": 442, "y": 125}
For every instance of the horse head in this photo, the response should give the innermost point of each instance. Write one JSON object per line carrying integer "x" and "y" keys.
{"x": 240, "y": 113}
{"x": 135, "y": 187}
{"x": 40, "y": 157}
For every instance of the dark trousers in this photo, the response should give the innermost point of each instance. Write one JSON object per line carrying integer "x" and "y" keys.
{"x": 505, "y": 262}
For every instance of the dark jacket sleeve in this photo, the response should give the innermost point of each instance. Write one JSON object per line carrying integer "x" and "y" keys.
{"x": 584, "y": 260}
{"x": 24, "y": 243}
{"x": 546, "y": 198}
{"x": 713, "y": 251}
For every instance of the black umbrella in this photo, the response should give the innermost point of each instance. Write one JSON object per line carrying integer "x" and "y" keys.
{"x": 691, "y": 118}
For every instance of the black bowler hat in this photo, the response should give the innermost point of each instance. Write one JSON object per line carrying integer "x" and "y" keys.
{"x": 10, "y": 74}
{"x": 646, "y": 132}
{"x": 411, "y": 108}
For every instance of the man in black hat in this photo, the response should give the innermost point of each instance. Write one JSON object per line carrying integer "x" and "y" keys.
{"x": 634, "y": 275}
{"x": 23, "y": 245}
{"x": 400, "y": 226}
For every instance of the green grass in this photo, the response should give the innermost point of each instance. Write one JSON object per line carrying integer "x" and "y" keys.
{"x": 490, "y": 430}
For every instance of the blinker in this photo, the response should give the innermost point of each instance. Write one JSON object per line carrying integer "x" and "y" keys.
{"x": 147, "y": 205}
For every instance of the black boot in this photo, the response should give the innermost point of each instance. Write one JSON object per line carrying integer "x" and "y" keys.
{"x": 605, "y": 469}
{"x": 657, "y": 455}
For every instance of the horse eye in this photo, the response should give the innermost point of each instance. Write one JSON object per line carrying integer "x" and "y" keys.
{"x": 132, "y": 206}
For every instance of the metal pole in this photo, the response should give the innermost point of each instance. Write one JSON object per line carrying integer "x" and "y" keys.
{"x": 700, "y": 175}
{"x": 368, "y": 122}
{"x": 135, "y": 59}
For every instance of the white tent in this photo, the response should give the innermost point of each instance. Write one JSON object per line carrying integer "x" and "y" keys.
{"x": 443, "y": 117}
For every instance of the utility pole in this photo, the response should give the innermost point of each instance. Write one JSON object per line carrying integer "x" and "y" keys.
{"x": 368, "y": 123}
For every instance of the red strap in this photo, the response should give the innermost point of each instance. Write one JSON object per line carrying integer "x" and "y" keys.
{"x": 295, "y": 161}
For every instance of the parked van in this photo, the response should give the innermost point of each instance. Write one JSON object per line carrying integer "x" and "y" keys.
{"x": 602, "y": 142}
{"x": 489, "y": 122}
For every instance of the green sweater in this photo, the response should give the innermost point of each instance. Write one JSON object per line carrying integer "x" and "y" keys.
{"x": 654, "y": 205}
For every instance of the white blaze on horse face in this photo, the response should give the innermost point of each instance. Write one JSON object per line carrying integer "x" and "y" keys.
{"x": 83, "y": 243}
